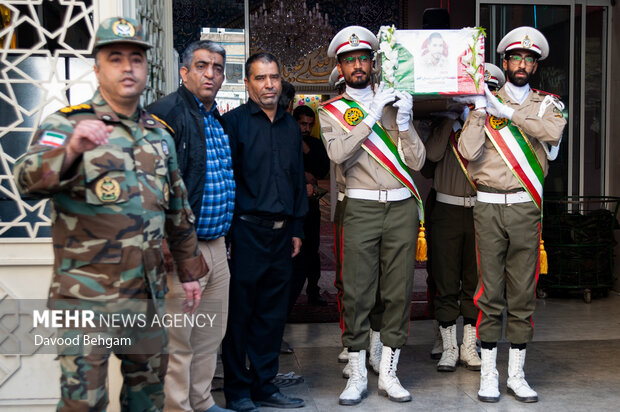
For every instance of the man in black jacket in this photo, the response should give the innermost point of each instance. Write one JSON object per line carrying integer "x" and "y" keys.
{"x": 206, "y": 168}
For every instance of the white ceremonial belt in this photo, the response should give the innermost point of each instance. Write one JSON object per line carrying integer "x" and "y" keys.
{"x": 467, "y": 201}
{"x": 503, "y": 198}
{"x": 341, "y": 196}
{"x": 383, "y": 196}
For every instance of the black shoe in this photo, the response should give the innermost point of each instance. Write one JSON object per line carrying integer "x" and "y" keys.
{"x": 279, "y": 400}
{"x": 316, "y": 300}
{"x": 242, "y": 405}
{"x": 285, "y": 347}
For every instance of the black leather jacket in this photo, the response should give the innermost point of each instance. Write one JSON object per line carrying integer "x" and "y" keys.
{"x": 180, "y": 111}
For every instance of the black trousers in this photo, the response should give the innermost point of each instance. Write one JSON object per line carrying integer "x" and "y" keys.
{"x": 307, "y": 264}
{"x": 260, "y": 274}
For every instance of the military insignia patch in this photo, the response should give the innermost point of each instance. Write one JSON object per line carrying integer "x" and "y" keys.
{"x": 108, "y": 190}
{"x": 166, "y": 192}
{"x": 123, "y": 28}
{"x": 498, "y": 123}
{"x": 353, "y": 116}
{"x": 164, "y": 147}
{"x": 354, "y": 40}
{"x": 53, "y": 139}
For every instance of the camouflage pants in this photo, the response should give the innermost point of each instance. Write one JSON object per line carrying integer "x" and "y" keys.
{"x": 83, "y": 384}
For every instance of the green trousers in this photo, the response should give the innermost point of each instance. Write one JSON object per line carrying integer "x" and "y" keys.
{"x": 507, "y": 242}
{"x": 377, "y": 312}
{"x": 454, "y": 268}
{"x": 379, "y": 255}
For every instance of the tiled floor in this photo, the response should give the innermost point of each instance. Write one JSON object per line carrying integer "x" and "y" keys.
{"x": 573, "y": 363}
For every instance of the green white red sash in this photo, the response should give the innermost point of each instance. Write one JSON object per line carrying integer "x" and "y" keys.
{"x": 378, "y": 145}
{"x": 517, "y": 151}
{"x": 457, "y": 127}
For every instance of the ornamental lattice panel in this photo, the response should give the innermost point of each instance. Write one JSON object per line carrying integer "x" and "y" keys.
{"x": 45, "y": 64}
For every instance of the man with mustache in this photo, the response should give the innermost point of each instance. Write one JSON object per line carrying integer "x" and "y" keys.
{"x": 505, "y": 139}
{"x": 110, "y": 170}
{"x": 265, "y": 235}
{"x": 206, "y": 167}
{"x": 381, "y": 215}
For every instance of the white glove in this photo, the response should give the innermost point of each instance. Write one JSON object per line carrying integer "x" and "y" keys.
{"x": 497, "y": 108}
{"x": 465, "y": 113}
{"x": 382, "y": 97}
{"x": 405, "y": 106}
{"x": 479, "y": 101}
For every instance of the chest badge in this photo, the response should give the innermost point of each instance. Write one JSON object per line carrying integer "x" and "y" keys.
{"x": 108, "y": 190}
{"x": 353, "y": 116}
{"x": 498, "y": 123}
{"x": 164, "y": 147}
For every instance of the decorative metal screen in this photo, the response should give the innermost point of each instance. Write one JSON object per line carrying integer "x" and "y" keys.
{"x": 45, "y": 64}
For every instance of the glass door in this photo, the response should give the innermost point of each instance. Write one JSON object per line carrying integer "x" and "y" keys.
{"x": 576, "y": 70}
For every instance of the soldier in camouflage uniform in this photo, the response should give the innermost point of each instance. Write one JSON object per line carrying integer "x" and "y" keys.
{"x": 110, "y": 169}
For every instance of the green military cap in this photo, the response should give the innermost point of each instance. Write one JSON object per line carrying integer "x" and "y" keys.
{"x": 120, "y": 30}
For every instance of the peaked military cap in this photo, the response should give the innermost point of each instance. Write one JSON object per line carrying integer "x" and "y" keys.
{"x": 120, "y": 30}
{"x": 524, "y": 38}
{"x": 493, "y": 75}
{"x": 352, "y": 38}
{"x": 335, "y": 78}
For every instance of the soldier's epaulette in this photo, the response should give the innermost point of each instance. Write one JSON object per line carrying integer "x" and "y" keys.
{"x": 170, "y": 129}
{"x": 546, "y": 93}
{"x": 332, "y": 100}
{"x": 79, "y": 108}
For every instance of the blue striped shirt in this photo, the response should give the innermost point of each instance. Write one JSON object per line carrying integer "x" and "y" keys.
{"x": 218, "y": 198}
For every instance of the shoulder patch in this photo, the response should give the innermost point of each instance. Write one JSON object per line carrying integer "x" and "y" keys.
{"x": 170, "y": 129}
{"x": 546, "y": 93}
{"x": 332, "y": 100}
{"x": 52, "y": 138}
{"x": 80, "y": 108}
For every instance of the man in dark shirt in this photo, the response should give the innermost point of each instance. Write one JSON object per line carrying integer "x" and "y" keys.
{"x": 270, "y": 205}
{"x": 316, "y": 166}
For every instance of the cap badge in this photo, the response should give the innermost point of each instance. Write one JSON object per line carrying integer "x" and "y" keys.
{"x": 526, "y": 42}
{"x": 123, "y": 28}
{"x": 487, "y": 75}
{"x": 354, "y": 40}
{"x": 353, "y": 116}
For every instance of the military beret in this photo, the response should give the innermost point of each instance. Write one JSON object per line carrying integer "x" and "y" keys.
{"x": 120, "y": 30}
{"x": 493, "y": 75}
{"x": 352, "y": 38}
{"x": 525, "y": 38}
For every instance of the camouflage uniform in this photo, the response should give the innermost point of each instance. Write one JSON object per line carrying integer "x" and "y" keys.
{"x": 109, "y": 214}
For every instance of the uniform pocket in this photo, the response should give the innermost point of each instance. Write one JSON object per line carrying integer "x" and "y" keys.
{"x": 105, "y": 171}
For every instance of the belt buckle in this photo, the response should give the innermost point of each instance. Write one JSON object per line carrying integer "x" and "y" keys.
{"x": 386, "y": 196}
{"x": 278, "y": 224}
{"x": 468, "y": 201}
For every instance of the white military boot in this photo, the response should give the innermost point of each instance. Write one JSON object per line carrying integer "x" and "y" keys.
{"x": 357, "y": 385}
{"x": 346, "y": 371}
{"x": 469, "y": 355}
{"x": 489, "y": 378}
{"x": 374, "y": 351}
{"x": 517, "y": 385}
{"x": 450, "y": 355}
{"x": 438, "y": 344}
{"x": 343, "y": 357}
{"x": 389, "y": 385}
